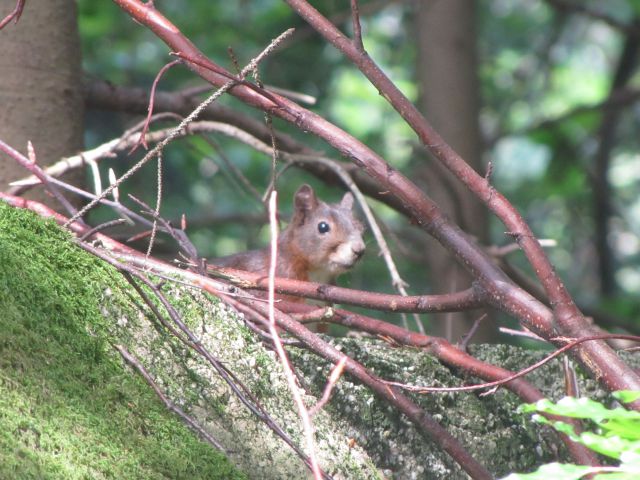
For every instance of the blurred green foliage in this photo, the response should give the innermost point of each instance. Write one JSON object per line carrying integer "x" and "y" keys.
{"x": 536, "y": 65}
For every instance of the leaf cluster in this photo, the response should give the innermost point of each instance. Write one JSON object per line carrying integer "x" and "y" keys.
{"x": 615, "y": 434}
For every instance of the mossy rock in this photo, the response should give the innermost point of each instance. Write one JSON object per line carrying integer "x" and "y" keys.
{"x": 71, "y": 408}
{"x": 68, "y": 408}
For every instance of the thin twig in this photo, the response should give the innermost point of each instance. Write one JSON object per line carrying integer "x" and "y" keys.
{"x": 117, "y": 206}
{"x": 468, "y": 299}
{"x": 273, "y": 330}
{"x": 357, "y": 30}
{"x": 106, "y": 150}
{"x": 152, "y": 153}
{"x": 318, "y": 315}
{"x": 492, "y": 385}
{"x": 336, "y": 372}
{"x": 183, "y": 124}
{"x": 464, "y": 343}
{"x": 152, "y": 95}
{"x": 268, "y": 118}
{"x": 239, "y": 176}
{"x": 135, "y": 363}
{"x": 571, "y": 385}
{"x": 156, "y": 211}
{"x": 521, "y": 333}
{"x": 14, "y": 15}
{"x": 31, "y": 165}
{"x": 178, "y": 235}
{"x": 101, "y": 227}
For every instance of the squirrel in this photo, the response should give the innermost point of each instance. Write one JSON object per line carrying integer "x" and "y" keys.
{"x": 321, "y": 242}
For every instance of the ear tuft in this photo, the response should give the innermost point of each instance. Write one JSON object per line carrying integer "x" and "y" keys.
{"x": 304, "y": 202}
{"x": 305, "y": 199}
{"x": 347, "y": 201}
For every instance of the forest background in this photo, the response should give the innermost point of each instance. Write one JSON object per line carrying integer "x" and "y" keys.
{"x": 549, "y": 98}
{"x": 539, "y": 97}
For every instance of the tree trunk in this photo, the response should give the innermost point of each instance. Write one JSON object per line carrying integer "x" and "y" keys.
{"x": 602, "y": 194}
{"x": 447, "y": 72}
{"x": 40, "y": 91}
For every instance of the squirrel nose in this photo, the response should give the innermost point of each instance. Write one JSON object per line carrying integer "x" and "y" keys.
{"x": 358, "y": 249}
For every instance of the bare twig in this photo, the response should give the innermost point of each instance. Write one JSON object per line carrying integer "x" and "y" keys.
{"x": 135, "y": 363}
{"x": 571, "y": 385}
{"x": 106, "y": 150}
{"x": 156, "y": 211}
{"x": 101, "y": 227}
{"x": 152, "y": 153}
{"x": 314, "y": 315}
{"x": 288, "y": 371}
{"x": 355, "y": 20}
{"x": 275, "y": 155}
{"x": 152, "y": 96}
{"x": 464, "y": 342}
{"x": 176, "y": 131}
{"x": 521, "y": 333}
{"x": 572, "y": 343}
{"x": 458, "y": 301}
{"x": 239, "y": 176}
{"x": 336, "y": 372}
{"x": 129, "y": 215}
{"x": 31, "y": 165}
{"x": 514, "y": 247}
{"x": 178, "y": 235}
{"x": 14, "y": 15}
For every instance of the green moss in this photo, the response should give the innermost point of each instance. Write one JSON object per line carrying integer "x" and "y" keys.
{"x": 68, "y": 408}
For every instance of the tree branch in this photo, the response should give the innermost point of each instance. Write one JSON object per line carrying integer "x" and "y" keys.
{"x": 596, "y": 356}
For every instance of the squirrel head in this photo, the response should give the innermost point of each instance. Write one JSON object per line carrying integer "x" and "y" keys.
{"x": 328, "y": 237}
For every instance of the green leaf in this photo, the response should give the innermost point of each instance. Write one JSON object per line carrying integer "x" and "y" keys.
{"x": 610, "y": 446}
{"x": 628, "y": 429}
{"x": 626, "y": 396}
{"x": 554, "y": 470}
{"x": 582, "y": 408}
{"x": 560, "y": 426}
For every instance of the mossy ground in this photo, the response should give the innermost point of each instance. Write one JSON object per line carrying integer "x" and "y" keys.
{"x": 68, "y": 407}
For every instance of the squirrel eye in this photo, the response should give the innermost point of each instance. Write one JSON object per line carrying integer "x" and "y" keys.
{"x": 323, "y": 227}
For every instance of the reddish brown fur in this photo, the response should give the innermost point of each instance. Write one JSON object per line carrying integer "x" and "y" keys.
{"x": 303, "y": 251}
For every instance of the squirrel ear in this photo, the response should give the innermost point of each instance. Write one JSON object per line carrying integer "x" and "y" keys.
{"x": 305, "y": 199}
{"x": 347, "y": 201}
